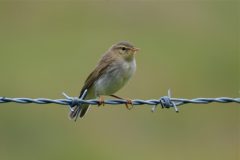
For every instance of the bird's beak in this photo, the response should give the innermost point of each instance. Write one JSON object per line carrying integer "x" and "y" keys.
{"x": 135, "y": 49}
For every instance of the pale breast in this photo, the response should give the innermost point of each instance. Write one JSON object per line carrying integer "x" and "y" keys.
{"x": 115, "y": 78}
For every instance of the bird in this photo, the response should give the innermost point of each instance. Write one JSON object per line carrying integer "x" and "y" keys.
{"x": 111, "y": 73}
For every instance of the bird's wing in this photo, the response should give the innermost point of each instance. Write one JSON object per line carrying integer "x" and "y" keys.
{"x": 101, "y": 68}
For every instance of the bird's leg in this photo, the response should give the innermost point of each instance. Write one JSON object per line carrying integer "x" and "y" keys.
{"x": 100, "y": 101}
{"x": 129, "y": 101}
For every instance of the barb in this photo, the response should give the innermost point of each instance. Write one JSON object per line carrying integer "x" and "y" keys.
{"x": 165, "y": 101}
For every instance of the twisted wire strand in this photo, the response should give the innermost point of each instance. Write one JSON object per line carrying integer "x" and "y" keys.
{"x": 165, "y": 101}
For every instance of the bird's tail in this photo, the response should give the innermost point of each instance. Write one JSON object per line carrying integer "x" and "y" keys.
{"x": 79, "y": 110}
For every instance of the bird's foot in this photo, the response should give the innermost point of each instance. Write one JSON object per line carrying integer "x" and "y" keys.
{"x": 101, "y": 101}
{"x": 129, "y": 101}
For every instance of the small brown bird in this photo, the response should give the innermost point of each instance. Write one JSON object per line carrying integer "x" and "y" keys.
{"x": 112, "y": 72}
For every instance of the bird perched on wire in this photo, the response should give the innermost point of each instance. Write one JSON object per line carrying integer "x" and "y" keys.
{"x": 112, "y": 72}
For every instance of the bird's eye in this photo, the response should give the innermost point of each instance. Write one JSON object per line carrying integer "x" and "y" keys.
{"x": 124, "y": 48}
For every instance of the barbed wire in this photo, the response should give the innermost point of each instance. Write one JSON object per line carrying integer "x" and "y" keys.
{"x": 165, "y": 101}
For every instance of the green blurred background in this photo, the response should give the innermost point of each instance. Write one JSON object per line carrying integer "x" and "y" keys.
{"x": 192, "y": 47}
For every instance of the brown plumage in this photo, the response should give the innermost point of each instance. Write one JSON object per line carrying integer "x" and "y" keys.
{"x": 112, "y": 71}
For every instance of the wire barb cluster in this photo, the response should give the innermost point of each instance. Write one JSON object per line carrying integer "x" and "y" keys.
{"x": 165, "y": 101}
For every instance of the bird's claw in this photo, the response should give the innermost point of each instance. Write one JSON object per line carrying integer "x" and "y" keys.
{"x": 101, "y": 101}
{"x": 129, "y": 101}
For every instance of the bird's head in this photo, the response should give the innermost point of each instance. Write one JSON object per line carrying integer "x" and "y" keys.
{"x": 124, "y": 49}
